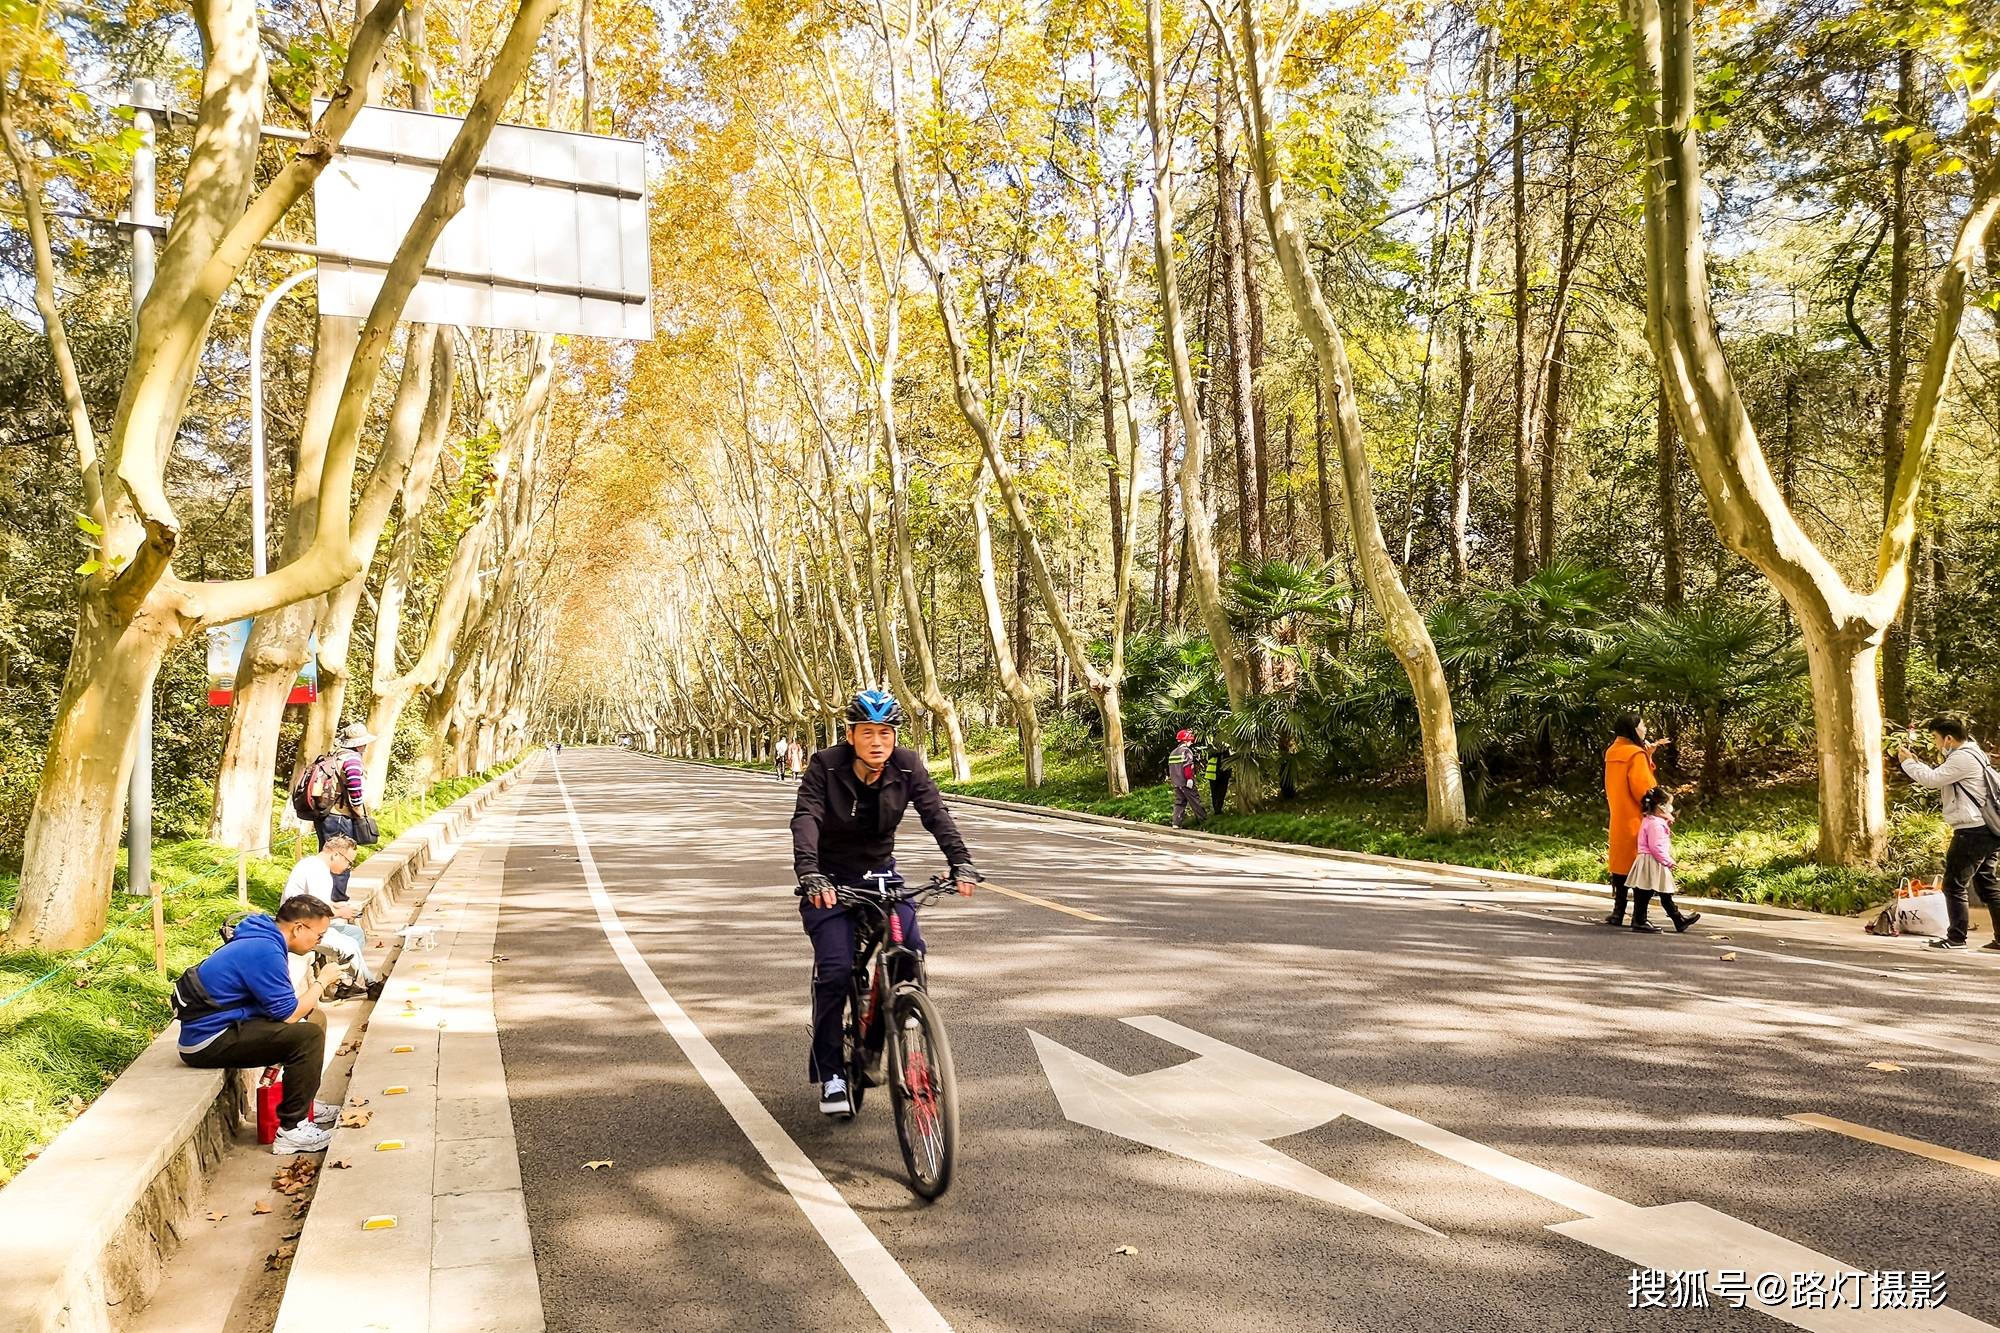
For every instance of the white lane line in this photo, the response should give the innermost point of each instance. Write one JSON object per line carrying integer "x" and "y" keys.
{"x": 882, "y": 1280}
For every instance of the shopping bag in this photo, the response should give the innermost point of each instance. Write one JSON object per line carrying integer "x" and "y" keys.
{"x": 1920, "y": 908}
{"x": 270, "y": 1092}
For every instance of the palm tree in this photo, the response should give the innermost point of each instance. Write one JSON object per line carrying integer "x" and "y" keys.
{"x": 1710, "y": 660}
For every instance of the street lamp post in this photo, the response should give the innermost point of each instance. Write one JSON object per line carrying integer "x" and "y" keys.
{"x": 141, "y": 220}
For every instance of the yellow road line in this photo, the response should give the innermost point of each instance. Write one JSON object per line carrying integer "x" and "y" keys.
{"x": 1950, "y": 1156}
{"x": 1077, "y": 912}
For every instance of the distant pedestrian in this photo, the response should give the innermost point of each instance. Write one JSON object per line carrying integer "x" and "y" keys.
{"x": 778, "y": 753}
{"x": 1218, "y": 777}
{"x": 333, "y": 793}
{"x": 1970, "y": 792}
{"x": 1628, "y": 776}
{"x": 798, "y": 761}
{"x": 1182, "y": 766}
{"x": 1653, "y": 865}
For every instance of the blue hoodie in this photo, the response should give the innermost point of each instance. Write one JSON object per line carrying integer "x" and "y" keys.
{"x": 249, "y": 977}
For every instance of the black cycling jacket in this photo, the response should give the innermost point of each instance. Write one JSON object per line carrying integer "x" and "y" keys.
{"x": 828, "y": 839}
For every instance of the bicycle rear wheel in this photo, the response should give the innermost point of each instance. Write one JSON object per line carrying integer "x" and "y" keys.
{"x": 923, "y": 1090}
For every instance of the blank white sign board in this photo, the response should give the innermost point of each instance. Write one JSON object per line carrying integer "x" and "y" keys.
{"x": 552, "y": 238}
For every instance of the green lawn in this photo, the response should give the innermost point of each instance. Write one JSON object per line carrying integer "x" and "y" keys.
{"x": 1751, "y": 846}
{"x": 61, "y": 1043}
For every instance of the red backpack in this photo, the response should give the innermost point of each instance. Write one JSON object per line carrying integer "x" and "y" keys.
{"x": 321, "y": 787}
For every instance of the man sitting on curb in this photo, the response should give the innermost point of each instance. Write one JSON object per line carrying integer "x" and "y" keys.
{"x": 238, "y": 1011}
{"x": 315, "y": 876}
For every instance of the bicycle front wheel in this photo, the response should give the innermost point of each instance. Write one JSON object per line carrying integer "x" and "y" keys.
{"x": 923, "y": 1090}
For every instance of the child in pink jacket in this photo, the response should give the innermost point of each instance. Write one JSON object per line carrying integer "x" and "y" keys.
{"x": 1653, "y": 868}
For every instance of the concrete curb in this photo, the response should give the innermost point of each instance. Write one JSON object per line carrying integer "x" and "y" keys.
{"x": 429, "y": 1204}
{"x": 90, "y": 1225}
{"x": 1484, "y": 879}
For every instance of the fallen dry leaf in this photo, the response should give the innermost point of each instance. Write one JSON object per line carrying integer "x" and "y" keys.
{"x": 260, "y": 1208}
{"x": 498, "y": 958}
{"x": 597, "y": 1166}
{"x": 215, "y": 1216}
{"x": 348, "y": 1047}
{"x": 279, "y": 1257}
{"x": 293, "y": 1235}
{"x": 293, "y": 1177}
{"x": 339, "y": 1164}
{"x": 1126, "y": 1249}
{"x": 1729, "y": 958}
{"x": 355, "y": 1119}
{"x": 357, "y": 1102}
{"x": 1887, "y": 1066}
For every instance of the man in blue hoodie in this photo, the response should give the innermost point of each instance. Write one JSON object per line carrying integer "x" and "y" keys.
{"x": 238, "y": 1010}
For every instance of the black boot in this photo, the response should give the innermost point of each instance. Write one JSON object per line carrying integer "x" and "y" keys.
{"x": 1617, "y": 917}
{"x": 1640, "y": 897}
{"x": 1681, "y": 923}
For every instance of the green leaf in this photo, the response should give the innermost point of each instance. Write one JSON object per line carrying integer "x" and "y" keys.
{"x": 89, "y": 567}
{"x": 85, "y": 522}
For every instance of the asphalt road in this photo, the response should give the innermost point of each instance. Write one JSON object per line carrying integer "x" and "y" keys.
{"x": 1398, "y": 1090}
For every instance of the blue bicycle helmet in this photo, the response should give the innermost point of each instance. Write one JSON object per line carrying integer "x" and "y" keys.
{"x": 875, "y": 706}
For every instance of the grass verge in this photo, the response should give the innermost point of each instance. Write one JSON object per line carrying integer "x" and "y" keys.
{"x": 1752, "y": 846}
{"x": 65, "y": 1041}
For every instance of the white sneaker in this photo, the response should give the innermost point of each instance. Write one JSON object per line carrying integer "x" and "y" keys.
{"x": 302, "y": 1137}
{"x": 833, "y": 1098}
{"x": 325, "y": 1114}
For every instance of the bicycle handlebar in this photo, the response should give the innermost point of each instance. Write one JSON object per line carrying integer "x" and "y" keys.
{"x": 854, "y": 896}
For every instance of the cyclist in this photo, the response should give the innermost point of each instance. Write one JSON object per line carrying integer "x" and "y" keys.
{"x": 851, "y": 799}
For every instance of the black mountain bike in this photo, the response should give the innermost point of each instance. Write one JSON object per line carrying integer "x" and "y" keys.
{"x": 893, "y": 1031}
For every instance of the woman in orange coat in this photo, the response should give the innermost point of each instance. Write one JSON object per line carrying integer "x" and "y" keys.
{"x": 1628, "y": 776}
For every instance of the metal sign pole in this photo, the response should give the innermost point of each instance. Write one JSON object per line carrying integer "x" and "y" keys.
{"x": 139, "y": 803}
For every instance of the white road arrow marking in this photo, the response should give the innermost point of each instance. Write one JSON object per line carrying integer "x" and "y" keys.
{"x": 1214, "y": 1111}
{"x": 1220, "y": 1108}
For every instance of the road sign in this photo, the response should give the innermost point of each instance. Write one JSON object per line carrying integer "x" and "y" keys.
{"x": 1220, "y": 1109}
{"x": 552, "y": 239}
{"x": 226, "y": 644}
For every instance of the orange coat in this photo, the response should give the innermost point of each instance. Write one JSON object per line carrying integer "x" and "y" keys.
{"x": 1628, "y": 775}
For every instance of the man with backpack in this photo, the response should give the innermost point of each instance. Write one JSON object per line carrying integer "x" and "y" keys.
{"x": 1182, "y": 766}
{"x": 238, "y": 1010}
{"x": 778, "y": 754}
{"x": 331, "y": 792}
{"x": 1970, "y": 791}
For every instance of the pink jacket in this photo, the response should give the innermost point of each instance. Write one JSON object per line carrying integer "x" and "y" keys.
{"x": 1656, "y": 840}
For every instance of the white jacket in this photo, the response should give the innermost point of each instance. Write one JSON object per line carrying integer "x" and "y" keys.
{"x": 1960, "y": 779}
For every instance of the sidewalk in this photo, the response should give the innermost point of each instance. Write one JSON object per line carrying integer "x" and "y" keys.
{"x": 419, "y": 1225}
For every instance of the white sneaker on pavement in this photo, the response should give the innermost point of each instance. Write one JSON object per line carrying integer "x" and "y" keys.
{"x": 833, "y": 1098}
{"x": 325, "y": 1114}
{"x": 302, "y": 1137}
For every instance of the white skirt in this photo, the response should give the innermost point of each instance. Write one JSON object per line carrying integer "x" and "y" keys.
{"x": 1651, "y": 874}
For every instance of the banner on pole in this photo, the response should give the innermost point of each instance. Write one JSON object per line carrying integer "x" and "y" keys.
{"x": 226, "y": 645}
